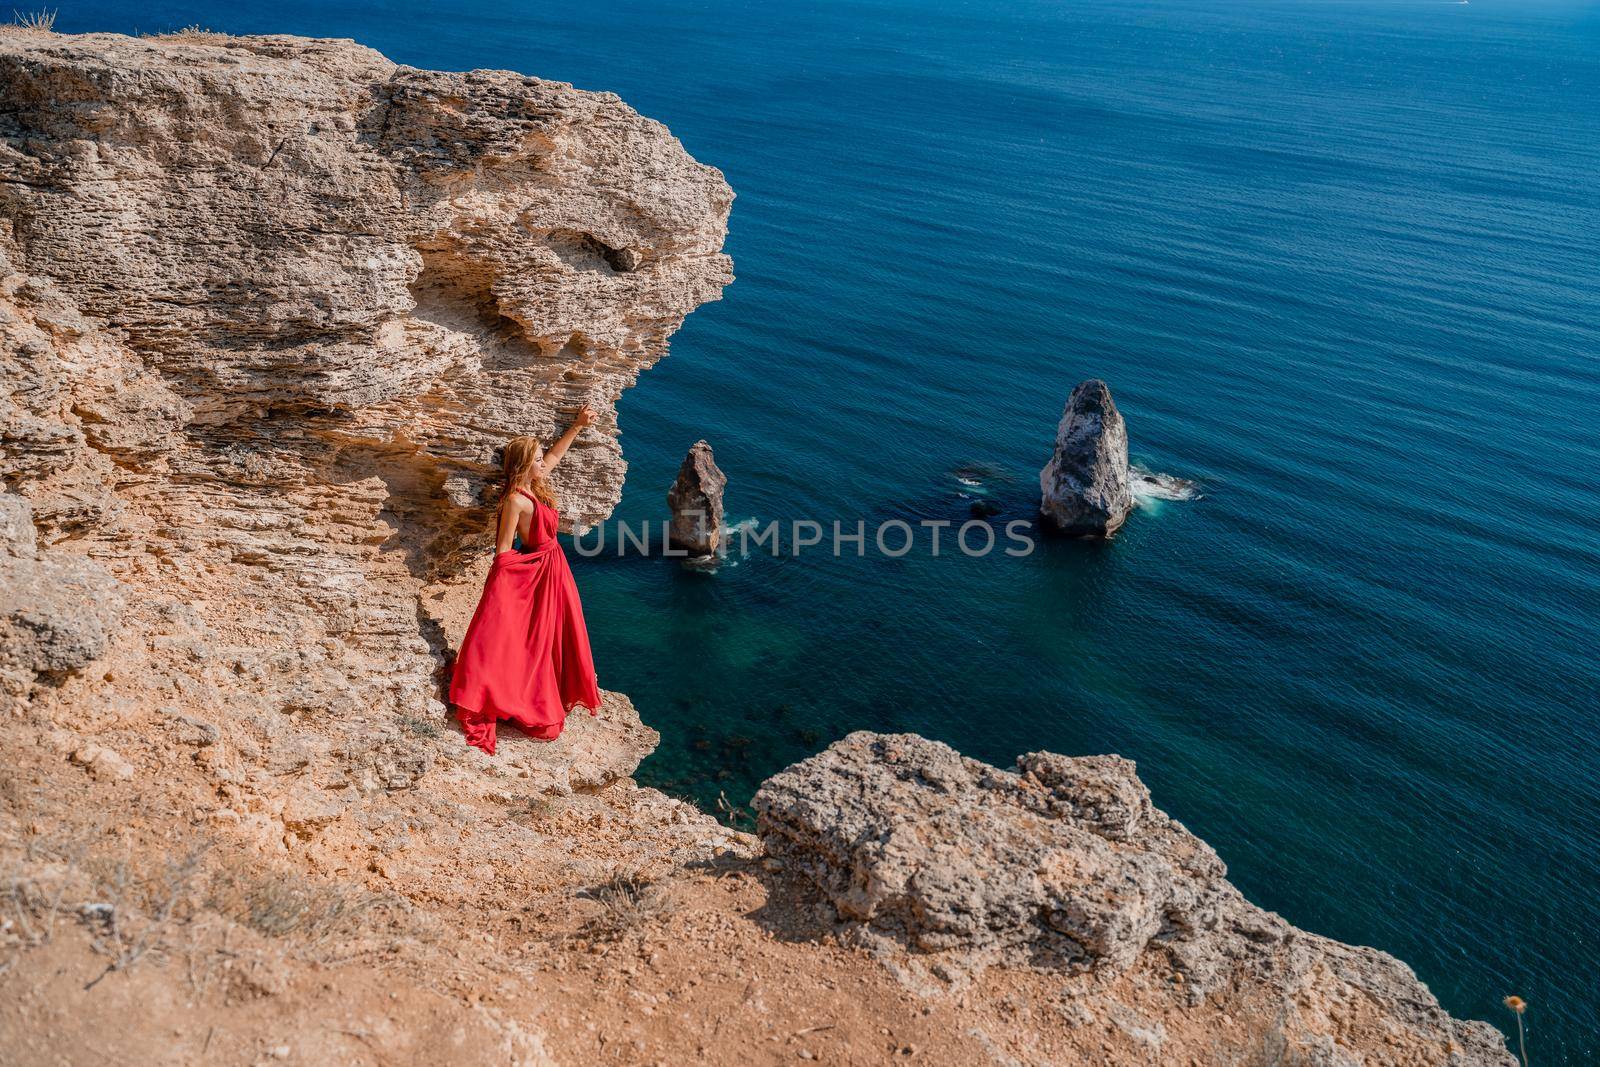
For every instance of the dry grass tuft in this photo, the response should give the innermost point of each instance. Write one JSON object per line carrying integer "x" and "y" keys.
{"x": 279, "y": 906}
{"x": 627, "y": 902}
{"x": 37, "y": 21}
{"x": 195, "y": 34}
{"x": 35, "y": 884}
{"x": 735, "y": 816}
{"x": 134, "y": 909}
{"x": 129, "y": 908}
{"x": 28, "y": 911}
{"x": 1266, "y": 1044}
{"x": 1518, "y": 1006}
{"x": 542, "y": 809}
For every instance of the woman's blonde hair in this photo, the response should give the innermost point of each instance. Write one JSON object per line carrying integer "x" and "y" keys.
{"x": 523, "y": 471}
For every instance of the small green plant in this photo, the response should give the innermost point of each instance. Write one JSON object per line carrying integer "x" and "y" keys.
{"x": 39, "y": 21}
{"x": 1518, "y": 1006}
{"x": 420, "y": 727}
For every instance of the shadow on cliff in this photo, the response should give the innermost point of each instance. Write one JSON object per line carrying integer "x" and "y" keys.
{"x": 444, "y": 657}
{"x": 432, "y": 533}
{"x": 794, "y": 911}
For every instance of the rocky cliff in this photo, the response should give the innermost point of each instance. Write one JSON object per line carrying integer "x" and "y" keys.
{"x": 267, "y": 307}
{"x": 1062, "y": 864}
{"x": 300, "y": 251}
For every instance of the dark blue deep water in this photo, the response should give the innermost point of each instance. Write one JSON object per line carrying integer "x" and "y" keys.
{"x": 1340, "y": 262}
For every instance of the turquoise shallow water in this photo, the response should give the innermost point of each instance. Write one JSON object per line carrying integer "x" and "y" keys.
{"x": 1338, "y": 262}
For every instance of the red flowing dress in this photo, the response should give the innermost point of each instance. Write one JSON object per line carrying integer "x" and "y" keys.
{"x": 526, "y": 654}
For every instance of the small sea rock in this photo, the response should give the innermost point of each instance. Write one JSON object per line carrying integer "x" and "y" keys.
{"x": 1085, "y": 488}
{"x": 696, "y": 503}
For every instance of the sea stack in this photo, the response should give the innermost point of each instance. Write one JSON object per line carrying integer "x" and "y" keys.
{"x": 696, "y": 503}
{"x": 1085, "y": 486}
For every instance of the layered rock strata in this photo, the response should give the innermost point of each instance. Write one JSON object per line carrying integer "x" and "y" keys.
{"x": 268, "y": 306}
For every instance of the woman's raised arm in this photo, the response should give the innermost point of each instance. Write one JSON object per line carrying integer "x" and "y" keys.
{"x": 558, "y": 448}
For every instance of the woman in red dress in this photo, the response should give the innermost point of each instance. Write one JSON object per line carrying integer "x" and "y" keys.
{"x": 526, "y": 654}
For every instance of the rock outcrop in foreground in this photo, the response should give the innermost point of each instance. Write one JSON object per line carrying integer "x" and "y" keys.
{"x": 695, "y": 500}
{"x": 1064, "y": 864}
{"x": 1085, "y": 488}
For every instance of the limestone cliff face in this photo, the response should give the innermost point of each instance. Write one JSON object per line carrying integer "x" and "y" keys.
{"x": 300, "y": 251}
{"x": 268, "y": 307}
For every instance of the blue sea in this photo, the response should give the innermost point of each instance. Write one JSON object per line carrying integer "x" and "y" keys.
{"x": 1339, "y": 261}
